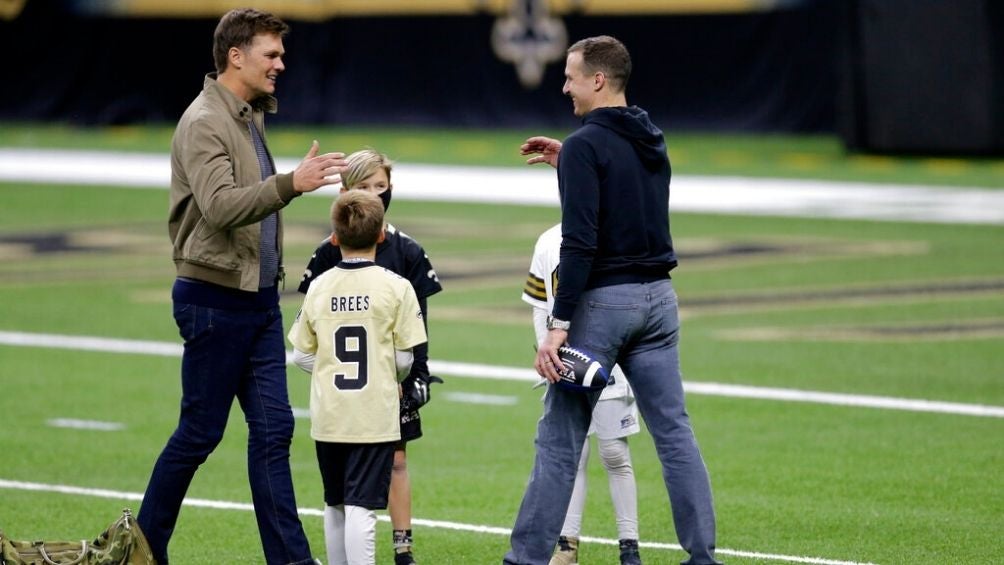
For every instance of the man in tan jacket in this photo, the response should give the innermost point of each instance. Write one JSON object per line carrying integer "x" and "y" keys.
{"x": 227, "y": 233}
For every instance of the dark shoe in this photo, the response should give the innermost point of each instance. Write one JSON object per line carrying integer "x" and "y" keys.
{"x": 405, "y": 558}
{"x": 629, "y": 552}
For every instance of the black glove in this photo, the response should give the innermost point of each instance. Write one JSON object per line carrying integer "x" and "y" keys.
{"x": 417, "y": 389}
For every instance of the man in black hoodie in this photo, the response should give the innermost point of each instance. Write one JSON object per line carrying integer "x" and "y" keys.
{"x": 614, "y": 300}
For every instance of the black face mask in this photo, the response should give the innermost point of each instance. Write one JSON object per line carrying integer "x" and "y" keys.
{"x": 385, "y": 198}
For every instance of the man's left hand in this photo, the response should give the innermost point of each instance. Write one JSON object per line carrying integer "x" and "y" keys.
{"x": 547, "y": 362}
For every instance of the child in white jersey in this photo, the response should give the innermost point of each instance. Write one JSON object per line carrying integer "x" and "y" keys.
{"x": 615, "y": 417}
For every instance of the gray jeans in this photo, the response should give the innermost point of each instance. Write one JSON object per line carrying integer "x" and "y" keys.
{"x": 636, "y": 325}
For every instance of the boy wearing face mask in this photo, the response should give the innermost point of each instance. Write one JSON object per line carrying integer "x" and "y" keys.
{"x": 371, "y": 171}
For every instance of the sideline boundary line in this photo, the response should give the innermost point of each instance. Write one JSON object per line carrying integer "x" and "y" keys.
{"x": 472, "y": 528}
{"x": 473, "y": 370}
{"x": 537, "y": 186}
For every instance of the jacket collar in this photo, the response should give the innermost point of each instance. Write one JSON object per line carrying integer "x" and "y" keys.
{"x": 238, "y": 108}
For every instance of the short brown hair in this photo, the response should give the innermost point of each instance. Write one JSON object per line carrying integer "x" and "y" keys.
{"x": 238, "y": 27}
{"x": 357, "y": 217}
{"x": 607, "y": 55}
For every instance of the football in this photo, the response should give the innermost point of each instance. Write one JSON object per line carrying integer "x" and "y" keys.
{"x": 581, "y": 371}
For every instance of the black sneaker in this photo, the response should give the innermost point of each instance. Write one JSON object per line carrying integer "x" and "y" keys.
{"x": 629, "y": 552}
{"x": 405, "y": 558}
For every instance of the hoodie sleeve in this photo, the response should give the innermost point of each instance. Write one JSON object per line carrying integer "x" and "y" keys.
{"x": 579, "y": 187}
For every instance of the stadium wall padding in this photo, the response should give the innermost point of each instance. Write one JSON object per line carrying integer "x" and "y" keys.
{"x": 922, "y": 76}
{"x": 764, "y": 72}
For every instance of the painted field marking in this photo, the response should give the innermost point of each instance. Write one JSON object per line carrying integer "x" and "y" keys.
{"x": 840, "y": 399}
{"x": 95, "y": 425}
{"x": 538, "y": 186}
{"x": 473, "y": 370}
{"x": 473, "y": 398}
{"x": 456, "y": 526}
{"x": 88, "y": 343}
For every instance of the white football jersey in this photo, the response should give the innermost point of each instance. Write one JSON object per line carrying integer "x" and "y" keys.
{"x": 353, "y": 318}
{"x": 541, "y": 284}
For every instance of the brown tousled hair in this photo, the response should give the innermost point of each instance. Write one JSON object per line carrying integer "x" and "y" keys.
{"x": 238, "y": 27}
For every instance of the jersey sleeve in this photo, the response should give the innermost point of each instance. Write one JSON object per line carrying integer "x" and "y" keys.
{"x": 420, "y": 273}
{"x": 535, "y": 288}
{"x": 301, "y": 334}
{"x": 325, "y": 257}
{"x": 409, "y": 327}
{"x": 540, "y": 324}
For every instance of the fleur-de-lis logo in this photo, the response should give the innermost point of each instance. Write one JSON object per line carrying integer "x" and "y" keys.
{"x": 529, "y": 38}
{"x": 9, "y": 9}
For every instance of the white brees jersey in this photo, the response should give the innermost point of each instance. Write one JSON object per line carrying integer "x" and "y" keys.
{"x": 541, "y": 284}
{"x": 353, "y": 318}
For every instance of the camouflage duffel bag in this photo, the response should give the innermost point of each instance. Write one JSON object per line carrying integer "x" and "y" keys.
{"x": 121, "y": 544}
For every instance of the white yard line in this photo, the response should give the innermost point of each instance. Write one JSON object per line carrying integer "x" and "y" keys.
{"x": 474, "y": 398}
{"x": 477, "y": 371}
{"x": 95, "y": 425}
{"x": 538, "y": 186}
{"x": 456, "y": 526}
{"x": 839, "y": 399}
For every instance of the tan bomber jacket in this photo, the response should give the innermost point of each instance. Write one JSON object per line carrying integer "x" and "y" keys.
{"x": 217, "y": 196}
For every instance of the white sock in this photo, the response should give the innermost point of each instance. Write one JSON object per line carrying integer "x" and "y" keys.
{"x": 360, "y": 535}
{"x": 617, "y": 461}
{"x": 573, "y": 517}
{"x": 334, "y": 534}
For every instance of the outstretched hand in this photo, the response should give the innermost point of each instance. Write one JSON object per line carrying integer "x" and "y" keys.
{"x": 316, "y": 170}
{"x": 547, "y": 148}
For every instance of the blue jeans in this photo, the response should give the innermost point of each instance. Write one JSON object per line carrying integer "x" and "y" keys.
{"x": 230, "y": 354}
{"x": 636, "y": 325}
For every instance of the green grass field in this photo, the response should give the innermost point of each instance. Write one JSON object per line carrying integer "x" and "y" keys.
{"x": 903, "y": 310}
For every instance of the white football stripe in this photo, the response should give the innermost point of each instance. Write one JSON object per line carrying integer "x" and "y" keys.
{"x": 590, "y": 380}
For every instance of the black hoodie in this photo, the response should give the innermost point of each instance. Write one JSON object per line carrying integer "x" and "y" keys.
{"x": 613, "y": 178}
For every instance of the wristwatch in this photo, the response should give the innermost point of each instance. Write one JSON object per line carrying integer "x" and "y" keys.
{"x": 556, "y": 324}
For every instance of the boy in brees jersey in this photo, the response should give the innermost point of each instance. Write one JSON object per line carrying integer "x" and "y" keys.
{"x": 370, "y": 170}
{"x": 355, "y": 333}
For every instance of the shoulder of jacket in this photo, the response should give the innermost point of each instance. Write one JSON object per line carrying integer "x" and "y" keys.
{"x": 224, "y": 103}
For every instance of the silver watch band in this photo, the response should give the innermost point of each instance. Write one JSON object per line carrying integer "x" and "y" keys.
{"x": 556, "y": 324}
